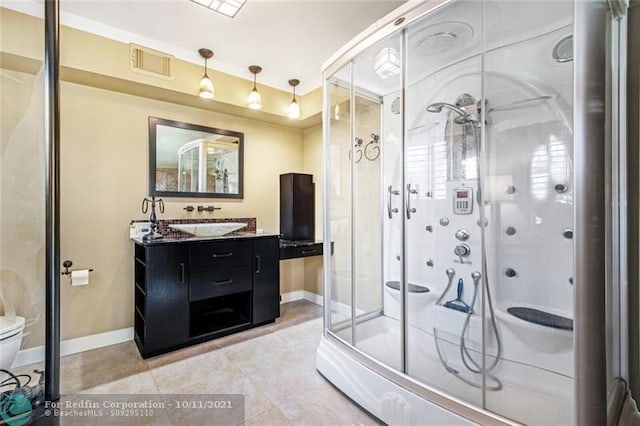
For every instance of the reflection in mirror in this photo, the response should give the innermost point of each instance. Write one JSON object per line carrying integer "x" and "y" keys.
{"x": 188, "y": 160}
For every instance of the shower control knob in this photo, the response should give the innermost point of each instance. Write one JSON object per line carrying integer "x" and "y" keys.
{"x": 462, "y": 235}
{"x": 462, "y": 250}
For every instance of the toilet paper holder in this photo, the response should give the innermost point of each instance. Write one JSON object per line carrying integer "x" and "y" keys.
{"x": 66, "y": 265}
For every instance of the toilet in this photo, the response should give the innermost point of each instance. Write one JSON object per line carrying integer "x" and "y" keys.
{"x": 11, "y": 331}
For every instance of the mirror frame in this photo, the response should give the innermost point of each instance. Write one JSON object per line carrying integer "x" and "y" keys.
{"x": 154, "y": 122}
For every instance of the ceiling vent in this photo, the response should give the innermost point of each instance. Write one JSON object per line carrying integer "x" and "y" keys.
{"x": 151, "y": 62}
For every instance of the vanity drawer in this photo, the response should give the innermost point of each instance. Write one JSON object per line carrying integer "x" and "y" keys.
{"x": 219, "y": 282}
{"x": 221, "y": 254}
{"x": 300, "y": 251}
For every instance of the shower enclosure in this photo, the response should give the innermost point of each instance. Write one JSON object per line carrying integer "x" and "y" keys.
{"x": 466, "y": 156}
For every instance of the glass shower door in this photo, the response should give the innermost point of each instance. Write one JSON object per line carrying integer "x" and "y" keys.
{"x": 442, "y": 238}
{"x": 529, "y": 205}
{"x": 377, "y": 219}
{"x": 22, "y": 199}
{"x": 338, "y": 94}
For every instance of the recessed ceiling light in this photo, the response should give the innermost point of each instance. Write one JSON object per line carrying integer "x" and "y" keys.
{"x": 228, "y": 8}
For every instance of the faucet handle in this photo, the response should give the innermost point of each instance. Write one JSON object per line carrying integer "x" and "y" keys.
{"x": 208, "y": 208}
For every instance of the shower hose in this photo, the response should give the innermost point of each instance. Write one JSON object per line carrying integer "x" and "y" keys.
{"x": 465, "y": 355}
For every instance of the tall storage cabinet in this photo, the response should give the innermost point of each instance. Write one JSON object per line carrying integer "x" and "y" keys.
{"x": 297, "y": 206}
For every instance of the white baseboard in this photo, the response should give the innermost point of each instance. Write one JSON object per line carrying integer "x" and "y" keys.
{"x": 313, "y": 298}
{"x": 73, "y": 346}
{"x": 95, "y": 341}
{"x": 292, "y": 296}
{"x": 300, "y": 295}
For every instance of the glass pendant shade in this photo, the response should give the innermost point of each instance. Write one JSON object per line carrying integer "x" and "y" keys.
{"x": 206, "y": 88}
{"x": 255, "y": 100}
{"x": 206, "y": 85}
{"x": 294, "y": 109}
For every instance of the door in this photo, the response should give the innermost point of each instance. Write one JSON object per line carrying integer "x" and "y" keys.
{"x": 167, "y": 296}
{"x": 266, "y": 280}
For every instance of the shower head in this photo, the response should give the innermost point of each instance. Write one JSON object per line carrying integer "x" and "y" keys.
{"x": 464, "y": 116}
{"x": 450, "y": 273}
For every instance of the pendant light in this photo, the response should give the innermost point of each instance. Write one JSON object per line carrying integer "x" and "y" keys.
{"x": 294, "y": 109}
{"x": 255, "y": 100}
{"x": 206, "y": 85}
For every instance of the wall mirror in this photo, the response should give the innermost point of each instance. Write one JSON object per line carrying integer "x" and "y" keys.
{"x": 189, "y": 160}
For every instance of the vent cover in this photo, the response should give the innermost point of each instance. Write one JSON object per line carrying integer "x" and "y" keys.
{"x": 151, "y": 62}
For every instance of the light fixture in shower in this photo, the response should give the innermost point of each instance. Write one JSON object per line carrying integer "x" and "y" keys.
{"x": 206, "y": 85}
{"x": 293, "y": 111}
{"x": 255, "y": 100}
{"x": 563, "y": 50}
{"x": 387, "y": 63}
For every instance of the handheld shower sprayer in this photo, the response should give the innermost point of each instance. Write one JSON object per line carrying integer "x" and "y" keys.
{"x": 464, "y": 117}
{"x": 439, "y": 106}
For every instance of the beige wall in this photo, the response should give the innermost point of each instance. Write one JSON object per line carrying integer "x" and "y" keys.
{"x": 313, "y": 164}
{"x": 22, "y": 37}
{"x": 104, "y": 156}
{"x": 104, "y": 178}
{"x": 104, "y": 151}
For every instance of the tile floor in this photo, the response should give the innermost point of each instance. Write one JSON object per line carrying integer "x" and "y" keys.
{"x": 273, "y": 366}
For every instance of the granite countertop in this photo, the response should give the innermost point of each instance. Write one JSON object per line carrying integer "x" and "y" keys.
{"x": 298, "y": 243}
{"x": 191, "y": 239}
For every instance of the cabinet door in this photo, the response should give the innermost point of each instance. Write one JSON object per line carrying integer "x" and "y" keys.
{"x": 266, "y": 280}
{"x": 167, "y": 297}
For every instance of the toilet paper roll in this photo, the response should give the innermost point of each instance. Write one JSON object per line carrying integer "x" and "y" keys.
{"x": 80, "y": 277}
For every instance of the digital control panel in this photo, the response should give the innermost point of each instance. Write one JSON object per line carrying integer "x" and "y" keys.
{"x": 462, "y": 200}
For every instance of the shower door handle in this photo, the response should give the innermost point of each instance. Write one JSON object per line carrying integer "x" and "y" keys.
{"x": 409, "y": 208}
{"x": 390, "y": 210}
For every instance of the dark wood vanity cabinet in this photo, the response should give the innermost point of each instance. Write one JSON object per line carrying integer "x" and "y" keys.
{"x": 266, "y": 296}
{"x": 189, "y": 292}
{"x": 161, "y": 319}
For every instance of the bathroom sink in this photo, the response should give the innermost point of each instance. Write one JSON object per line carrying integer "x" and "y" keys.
{"x": 217, "y": 229}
